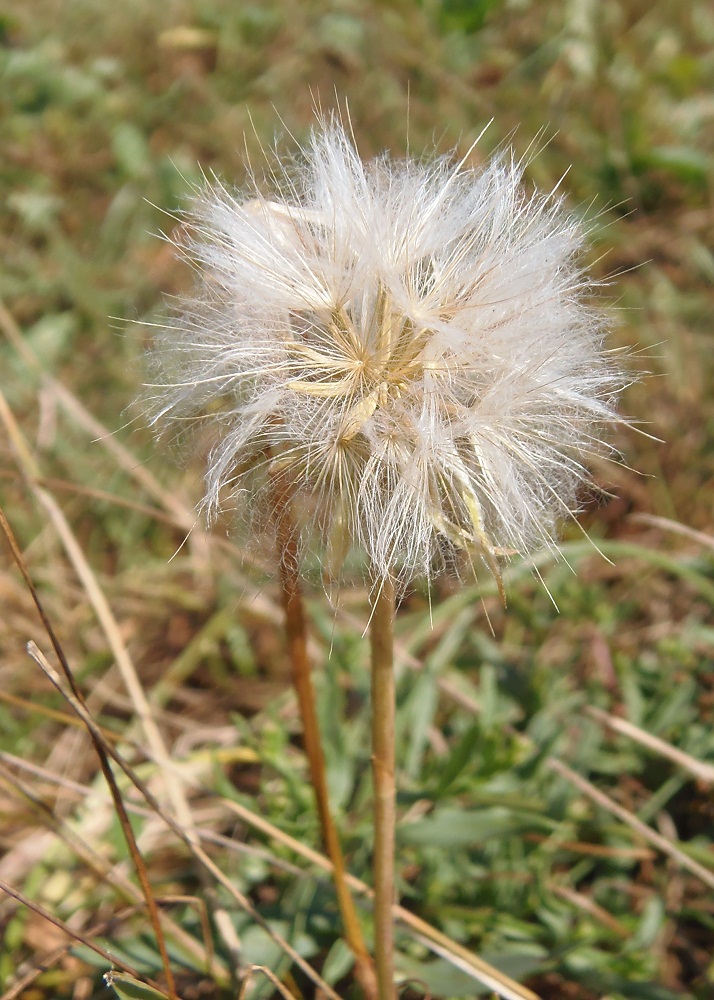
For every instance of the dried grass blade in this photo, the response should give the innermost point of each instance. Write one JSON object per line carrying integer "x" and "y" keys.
{"x": 182, "y": 514}
{"x": 49, "y": 713}
{"x": 198, "y": 853}
{"x": 667, "y": 524}
{"x": 588, "y": 905}
{"x": 100, "y": 745}
{"x": 662, "y": 844}
{"x": 50, "y": 958}
{"x": 110, "y": 874}
{"x": 698, "y": 768}
{"x": 282, "y": 990}
{"x": 104, "y": 614}
{"x": 84, "y": 939}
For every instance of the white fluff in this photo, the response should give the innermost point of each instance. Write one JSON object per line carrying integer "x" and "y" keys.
{"x": 406, "y": 343}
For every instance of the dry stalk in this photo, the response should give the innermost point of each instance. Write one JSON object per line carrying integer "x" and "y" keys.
{"x": 296, "y": 634}
{"x": 381, "y": 633}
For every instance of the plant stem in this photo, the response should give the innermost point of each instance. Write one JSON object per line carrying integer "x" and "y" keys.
{"x": 296, "y": 633}
{"x": 383, "y": 709}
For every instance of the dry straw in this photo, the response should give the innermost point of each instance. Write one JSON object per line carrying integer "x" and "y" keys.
{"x": 399, "y": 360}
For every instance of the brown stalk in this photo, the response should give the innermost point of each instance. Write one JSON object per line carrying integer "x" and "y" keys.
{"x": 381, "y": 632}
{"x": 296, "y": 634}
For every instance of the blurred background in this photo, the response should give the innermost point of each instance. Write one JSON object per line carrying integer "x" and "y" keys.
{"x": 531, "y": 747}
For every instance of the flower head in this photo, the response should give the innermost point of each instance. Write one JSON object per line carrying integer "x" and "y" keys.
{"x": 405, "y": 345}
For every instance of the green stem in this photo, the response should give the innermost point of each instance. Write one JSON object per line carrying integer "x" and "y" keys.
{"x": 383, "y": 711}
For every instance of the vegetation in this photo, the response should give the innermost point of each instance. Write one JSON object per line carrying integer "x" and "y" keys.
{"x": 556, "y": 757}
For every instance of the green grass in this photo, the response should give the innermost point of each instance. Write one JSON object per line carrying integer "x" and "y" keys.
{"x": 109, "y": 113}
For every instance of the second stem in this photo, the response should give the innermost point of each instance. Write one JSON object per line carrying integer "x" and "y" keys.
{"x": 383, "y": 756}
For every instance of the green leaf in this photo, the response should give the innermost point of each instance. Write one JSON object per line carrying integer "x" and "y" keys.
{"x": 442, "y": 979}
{"x": 131, "y": 150}
{"x": 128, "y": 988}
{"x": 420, "y": 709}
{"x": 460, "y": 757}
{"x": 465, "y": 15}
{"x": 338, "y": 963}
{"x": 651, "y": 923}
{"x": 470, "y": 827}
{"x": 687, "y": 164}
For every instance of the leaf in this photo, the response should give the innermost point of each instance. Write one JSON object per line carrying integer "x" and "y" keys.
{"x": 687, "y": 164}
{"x": 460, "y": 757}
{"x": 131, "y": 150}
{"x": 128, "y": 988}
{"x": 421, "y": 705}
{"x": 338, "y": 963}
{"x": 443, "y": 979}
{"x": 419, "y": 711}
{"x": 451, "y": 828}
{"x": 651, "y": 922}
{"x": 466, "y": 16}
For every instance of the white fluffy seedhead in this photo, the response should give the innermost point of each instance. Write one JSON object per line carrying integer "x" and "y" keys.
{"x": 404, "y": 346}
